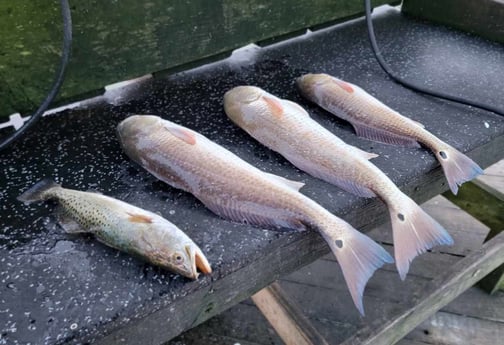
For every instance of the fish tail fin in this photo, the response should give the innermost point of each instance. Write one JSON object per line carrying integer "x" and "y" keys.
{"x": 358, "y": 256}
{"x": 37, "y": 191}
{"x": 414, "y": 233}
{"x": 458, "y": 168}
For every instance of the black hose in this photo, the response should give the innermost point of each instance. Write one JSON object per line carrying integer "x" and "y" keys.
{"x": 60, "y": 75}
{"x": 409, "y": 85}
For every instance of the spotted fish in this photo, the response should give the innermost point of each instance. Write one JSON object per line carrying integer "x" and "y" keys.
{"x": 288, "y": 129}
{"x": 236, "y": 190}
{"x": 375, "y": 121}
{"x": 124, "y": 227}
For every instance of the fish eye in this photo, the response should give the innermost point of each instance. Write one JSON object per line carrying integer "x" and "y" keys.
{"x": 178, "y": 259}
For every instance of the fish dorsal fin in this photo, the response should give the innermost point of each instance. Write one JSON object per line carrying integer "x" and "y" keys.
{"x": 286, "y": 182}
{"x": 139, "y": 218}
{"x": 182, "y": 133}
{"x": 295, "y": 107}
{"x": 344, "y": 85}
{"x": 383, "y": 136}
{"x": 364, "y": 154}
{"x": 274, "y": 105}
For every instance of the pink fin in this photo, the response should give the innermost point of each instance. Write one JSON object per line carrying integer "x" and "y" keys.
{"x": 138, "y": 218}
{"x": 458, "y": 168}
{"x": 414, "y": 233}
{"x": 289, "y": 183}
{"x": 274, "y": 105}
{"x": 249, "y": 212}
{"x": 183, "y": 134}
{"x": 330, "y": 176}
{"x": 383, "y": 136}
{"x": 352, "y": 187}
{"x": 418, "y": 123}
{"x": 344, "y": 85}
{"x": 358, "y": 256}
{"x": 364, "y": 154}
{"x": 295, "y": 107}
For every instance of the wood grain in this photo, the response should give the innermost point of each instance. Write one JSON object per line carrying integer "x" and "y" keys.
{"x": 286, "y": 317}
{"x": 441, "y": 291}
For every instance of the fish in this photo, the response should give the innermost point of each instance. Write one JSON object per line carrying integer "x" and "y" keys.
{"x": 236, "y": 190}
{"x": 287, "y": 128}
{"x": 375, "y": 121}
{"x": 122, "y": 226}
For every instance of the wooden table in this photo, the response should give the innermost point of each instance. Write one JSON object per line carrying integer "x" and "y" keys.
{"x": 59, "y": 288}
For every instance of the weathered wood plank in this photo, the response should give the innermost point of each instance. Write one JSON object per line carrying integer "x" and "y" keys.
{"x": 493, "y": 180}
{"x": 286, "y": 317}
{"x": 441, "y": 291}
{"x": 243, "y": 324}
{"x": 482, "y": 17}
{"x": 120, "y": 40}
{"x": 482, "y": 205}
{"x": 452, "y": 329}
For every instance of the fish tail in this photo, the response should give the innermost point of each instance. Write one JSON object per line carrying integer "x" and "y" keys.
{"x": 37, "y": 191}
{"x": 358, "y": 256}
{"x": 414, "y": 233}
{"x": 458, "y": 168}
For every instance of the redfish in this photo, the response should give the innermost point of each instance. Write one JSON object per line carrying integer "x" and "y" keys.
{"x": 285, "y": 127}
{"x": 374, "y": 120}
{"x": 236, "y": 190}
{"x": 123, "y": 226}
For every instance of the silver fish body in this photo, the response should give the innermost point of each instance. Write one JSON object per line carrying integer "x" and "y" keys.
{"x": 375, "y": 121}
{"x": 123, "y": 226}
{"x": 287, "y": 128}
{"x": 236, "y": 190}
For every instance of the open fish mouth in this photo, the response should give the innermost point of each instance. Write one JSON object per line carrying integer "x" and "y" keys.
{"x": 199, "y": 261}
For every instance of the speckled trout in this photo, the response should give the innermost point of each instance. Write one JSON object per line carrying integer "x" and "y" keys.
{"x": 236, "y": 190}
{"x": 124, "y": 227}
{"x": 285, "y": 127}
{"x": 375, "y": 121}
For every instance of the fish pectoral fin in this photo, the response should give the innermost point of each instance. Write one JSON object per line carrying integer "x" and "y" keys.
{"x": 182, "y": 133}
{"x": 383, "y": 136}
{"x": 418, "y": 123}
{"x": 67, "y": 222}
{"x": 295, "y": 107}
{"x": 286, "y": 182}
{"x": 274, "y": 105}
{"x": 138, "y": 218}
{"x": 343, "y": 84}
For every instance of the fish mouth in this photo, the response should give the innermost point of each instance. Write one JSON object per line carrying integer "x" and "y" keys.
{"x": 199, "y": 261}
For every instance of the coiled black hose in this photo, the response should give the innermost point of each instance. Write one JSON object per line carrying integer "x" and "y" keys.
{"x": 409, "y": 85}
{"x": 60, "y": 76}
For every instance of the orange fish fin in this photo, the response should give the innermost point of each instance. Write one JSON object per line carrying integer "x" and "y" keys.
{"x": 274, "y": 105}
{"x": 294, "y": 106}
{"x": 344, "y": 85}
{"x": 183, "y": 134}
{"x": 138, "y": 218}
